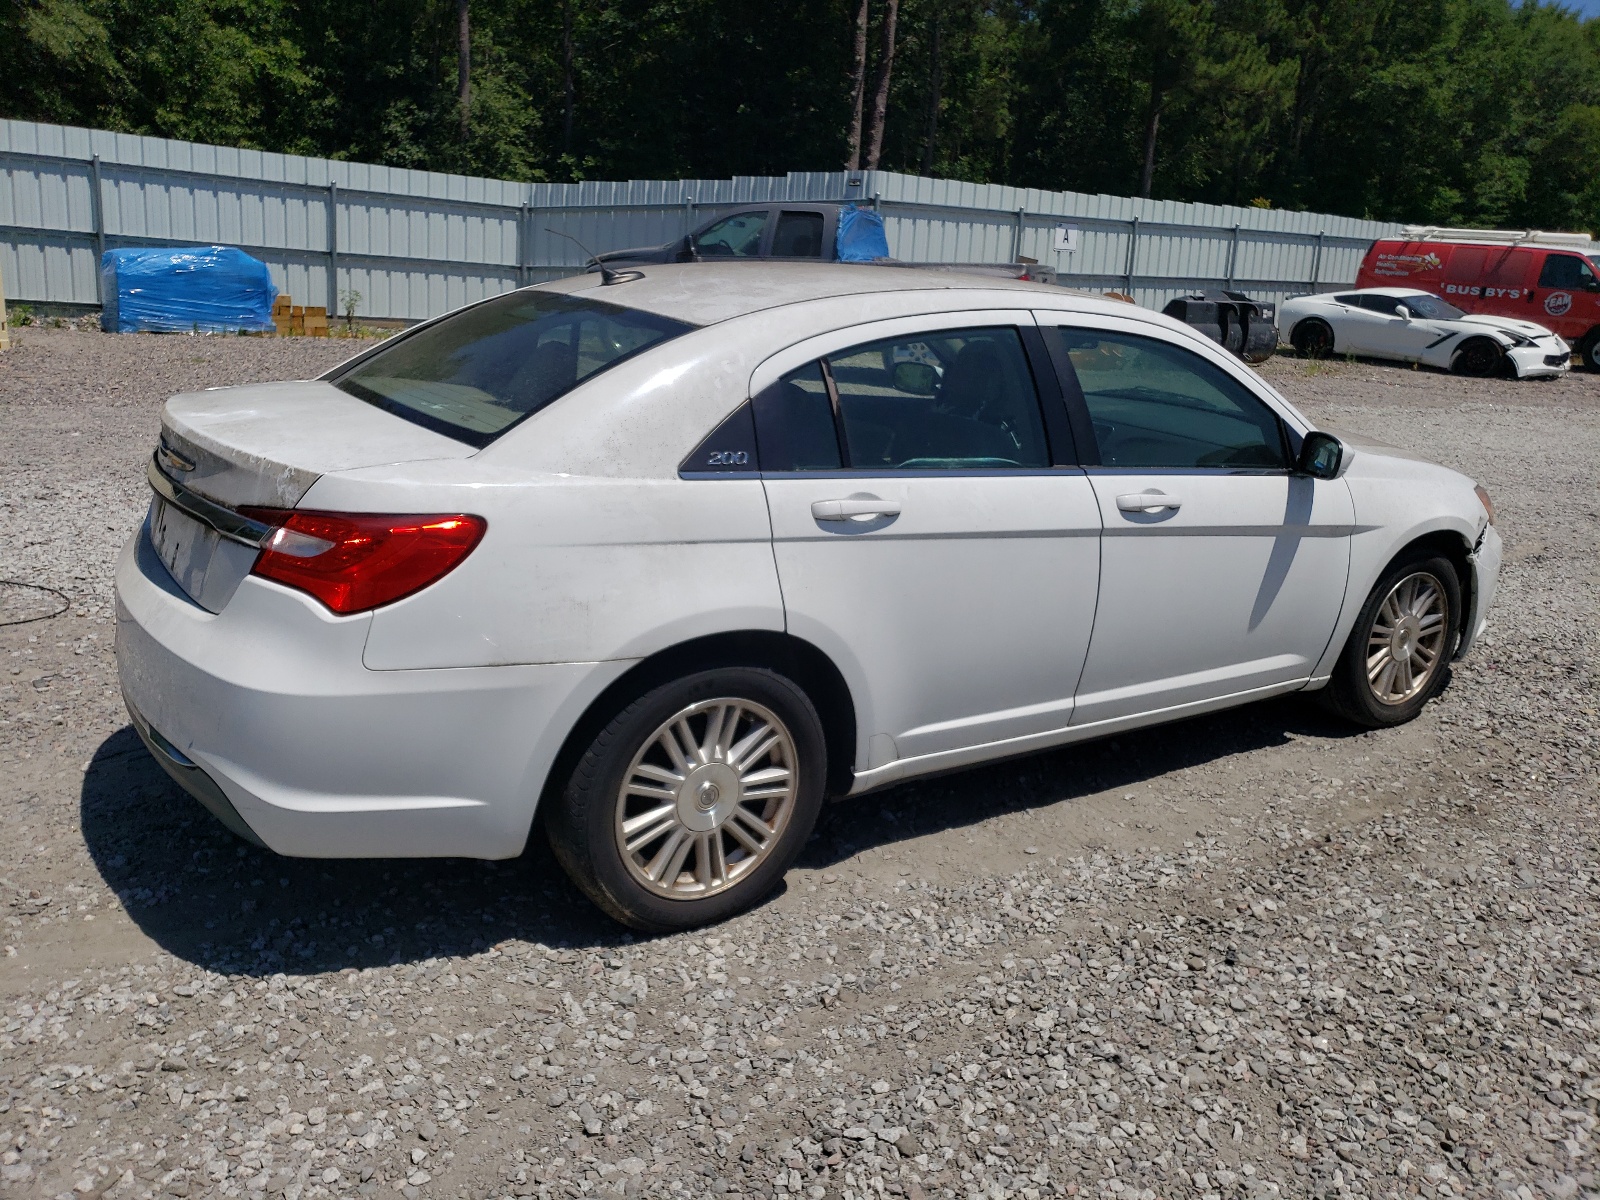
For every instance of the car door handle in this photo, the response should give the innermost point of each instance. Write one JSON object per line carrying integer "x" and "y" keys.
{"x": 1148, "y": 502}
{"x": 854, "y": 509}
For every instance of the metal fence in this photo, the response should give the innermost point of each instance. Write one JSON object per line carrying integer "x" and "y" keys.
{"x": 417, "y": 243}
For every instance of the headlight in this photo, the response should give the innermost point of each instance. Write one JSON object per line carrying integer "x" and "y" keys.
{"x": 1483, "y": 499}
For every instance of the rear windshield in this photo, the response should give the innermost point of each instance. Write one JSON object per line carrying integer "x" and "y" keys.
{"x": 476, "y": 374}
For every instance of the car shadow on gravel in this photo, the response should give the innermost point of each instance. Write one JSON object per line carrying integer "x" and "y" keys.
{"x": 209, "y": 899}
{"x": 976, "y": 794}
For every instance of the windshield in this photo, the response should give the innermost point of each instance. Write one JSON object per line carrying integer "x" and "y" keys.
{"x": 1431, "y": 308}
{"x": 474, "y": 375}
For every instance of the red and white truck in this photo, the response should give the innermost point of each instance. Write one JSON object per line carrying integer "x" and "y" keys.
{"x": 1552, "y": 279}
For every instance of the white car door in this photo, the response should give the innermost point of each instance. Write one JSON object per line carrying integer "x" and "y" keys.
{"x": 1355, "y": 329}
{"x": 1392, "y": 336}
{"x": 1222, "y": 571}
{"x": 933, "y": 531}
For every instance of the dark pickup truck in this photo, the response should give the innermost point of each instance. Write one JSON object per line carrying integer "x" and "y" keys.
{"x": 782, "y": 232}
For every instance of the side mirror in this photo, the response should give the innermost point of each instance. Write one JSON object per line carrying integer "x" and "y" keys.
{"x": 686, "y": 249}
{"x": 915, "y": 378}
{"x": 1401, "y": 311}
{"x": 1321, "y": 456}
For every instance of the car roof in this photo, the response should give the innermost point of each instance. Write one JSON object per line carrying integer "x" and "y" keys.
{"x": 1381, "y": 291}
{"x": 707, "y": 293}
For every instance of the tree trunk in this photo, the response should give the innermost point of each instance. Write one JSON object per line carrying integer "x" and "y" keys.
{"x": 858, "y": 84}
{"x": 568, "y": 92}
{"x": 1151, "y": 128}
{"x": 880, "y": 90}
{"x": 930, "y": 140}
{"x": 464, "y": 67}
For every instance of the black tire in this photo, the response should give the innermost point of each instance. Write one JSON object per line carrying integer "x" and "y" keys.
{"x": 1588, "y": 351}
{"x": 1352, "y": 693}
{"x": 1479, "y": 358}
{"x": 1312, "y": 338}
{"x": 584, "y": 822}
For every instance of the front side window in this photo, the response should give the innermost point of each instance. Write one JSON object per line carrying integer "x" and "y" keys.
{"x": 1567, "y": 271}
{"x": 738, "y": 236}
{"x": 1155, "y": 405}
{"x": 474, "y": 375}
{"x": 1388, "y": 305}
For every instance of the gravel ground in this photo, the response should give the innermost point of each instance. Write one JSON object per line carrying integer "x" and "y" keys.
{"x": 1255, "y": 954}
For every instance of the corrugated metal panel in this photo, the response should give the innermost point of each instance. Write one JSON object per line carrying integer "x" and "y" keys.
{"x": 416, "y": 243}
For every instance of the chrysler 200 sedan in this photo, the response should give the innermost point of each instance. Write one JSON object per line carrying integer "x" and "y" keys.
{"x": 665, "y": 560}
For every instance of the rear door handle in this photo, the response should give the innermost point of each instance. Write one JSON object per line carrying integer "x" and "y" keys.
{"x": 854, "y": 509}
{"x": 1148, "y": 502}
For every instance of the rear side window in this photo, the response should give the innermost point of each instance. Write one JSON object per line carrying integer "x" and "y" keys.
{"x": 1155, "y": 405}
{"x": 799, "y": 235}
{"x": 1352, "y": 300}
{"x": 940, "y": 401}
{"x": 794, "y": 423}
{"x": 476, "y": 374}
{"x": 958, "y": 400}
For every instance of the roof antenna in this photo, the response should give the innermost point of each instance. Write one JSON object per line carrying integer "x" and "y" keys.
{"x": 608, "y": 275}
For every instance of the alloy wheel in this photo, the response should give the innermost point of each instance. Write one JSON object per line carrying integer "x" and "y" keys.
{"x": 706, "y": 798}
{"x": 1406, "y": 645}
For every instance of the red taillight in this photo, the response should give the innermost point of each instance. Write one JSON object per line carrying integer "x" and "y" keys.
{"x": 356, "y": 561}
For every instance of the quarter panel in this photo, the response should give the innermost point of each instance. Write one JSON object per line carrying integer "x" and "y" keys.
{"x": 572, "y": 568}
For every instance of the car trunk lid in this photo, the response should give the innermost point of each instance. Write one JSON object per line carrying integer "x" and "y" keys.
{"x": 262, "y": 445}
{"x": 266, "y": 444}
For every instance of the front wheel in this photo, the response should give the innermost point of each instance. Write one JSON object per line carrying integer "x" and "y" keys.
{"x": 1479, "y": 358}
{"x": 693, "y": 801}
{"x": 1397, "y": 658}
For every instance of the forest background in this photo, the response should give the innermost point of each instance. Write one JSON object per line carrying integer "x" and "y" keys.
{"x": 1471, "y": 112}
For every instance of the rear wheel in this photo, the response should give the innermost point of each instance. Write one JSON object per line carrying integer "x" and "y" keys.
{"x": 1312, "y": 338}
{"x": 691, "y": 803}
{"x": 1478, "y": 357}
{"x": 1589, "y": 351}
{"x": 1397, "y": 658}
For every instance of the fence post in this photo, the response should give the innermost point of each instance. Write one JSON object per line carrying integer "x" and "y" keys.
{"x": 524, "y": 238}
{"x": 688, "y": 215}
{"x": 1233, "y": 256}
{"x": 1016, "y": 236}
{"x": 97, "y": 219}
{"x": 1316, "y": 258}
{"x": 1133, "y": 249}
{"x": 333, "y": 247}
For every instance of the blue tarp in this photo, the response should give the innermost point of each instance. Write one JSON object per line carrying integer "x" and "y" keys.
{"x": 861, "y": 237}
{"x": 184, "y": 289}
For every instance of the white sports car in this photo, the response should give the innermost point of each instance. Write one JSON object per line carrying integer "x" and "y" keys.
{"x": 665, "y": 558}
{"x": 1413, "y": 326}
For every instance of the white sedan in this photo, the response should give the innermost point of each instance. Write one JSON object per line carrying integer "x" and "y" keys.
{"x": 1414, "y": 326}
{"x": 664, "y": 561}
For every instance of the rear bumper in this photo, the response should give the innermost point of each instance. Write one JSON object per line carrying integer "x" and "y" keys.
{"x": 265, "y": 713}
